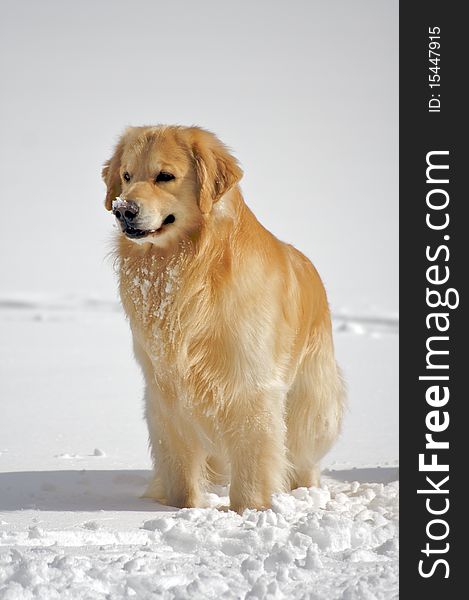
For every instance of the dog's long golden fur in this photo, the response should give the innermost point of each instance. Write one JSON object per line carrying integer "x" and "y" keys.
{"x": 231, "y": 326}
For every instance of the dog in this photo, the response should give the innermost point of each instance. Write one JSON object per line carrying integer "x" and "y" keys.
{"x": 230, "y": 326}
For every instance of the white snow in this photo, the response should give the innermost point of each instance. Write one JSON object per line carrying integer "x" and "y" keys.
{"x": 338, "y": 541}
{"x": 74, "y": 462}
{"x": 118, "y": 203}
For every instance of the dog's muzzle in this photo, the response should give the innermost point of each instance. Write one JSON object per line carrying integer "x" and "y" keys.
{"x": 126, "y": 211}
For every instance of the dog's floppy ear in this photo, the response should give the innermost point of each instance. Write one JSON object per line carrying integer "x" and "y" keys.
{"x": 111, "y": 173}
{"x": 217, "y": 170}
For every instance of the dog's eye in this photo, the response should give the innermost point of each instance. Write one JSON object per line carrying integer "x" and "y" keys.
{"x": 126, "y": 176}
{"x": 163, "y": 176}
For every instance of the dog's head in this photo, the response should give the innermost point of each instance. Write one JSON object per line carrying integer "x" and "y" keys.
{"x": 163, "y": 181}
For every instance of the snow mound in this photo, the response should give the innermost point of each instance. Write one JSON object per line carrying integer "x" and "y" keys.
{"x": 337, "y": 541}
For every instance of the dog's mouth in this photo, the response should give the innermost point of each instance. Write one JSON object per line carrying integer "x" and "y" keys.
{"x": 135, "y": 233}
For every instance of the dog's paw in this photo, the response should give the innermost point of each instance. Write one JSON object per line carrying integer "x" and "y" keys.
{"x": 155, "y": 491}
{"x": 242, "y": 507}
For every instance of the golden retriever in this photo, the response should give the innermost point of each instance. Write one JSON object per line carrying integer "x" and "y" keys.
{"x": 231, "y": 326}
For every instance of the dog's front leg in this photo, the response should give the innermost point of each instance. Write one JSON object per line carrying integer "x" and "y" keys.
{"x": 179, "y": 466}
{"x": 257, "y": 455}
{"x": 179, "y": 462}
{"x": 178, "y": 459}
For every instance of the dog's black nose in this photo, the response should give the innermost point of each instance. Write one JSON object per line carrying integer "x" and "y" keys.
{"x": 126, "y": 211}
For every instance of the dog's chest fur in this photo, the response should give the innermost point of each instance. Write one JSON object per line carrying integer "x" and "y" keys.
{"x": 206, "y": 346}
{"x": 149, "y": 285}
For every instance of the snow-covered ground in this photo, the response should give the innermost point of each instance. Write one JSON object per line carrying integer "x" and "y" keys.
{"x": 74, "y": 461}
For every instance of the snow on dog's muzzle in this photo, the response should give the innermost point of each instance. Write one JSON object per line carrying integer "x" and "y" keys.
{"x": 126, "y": 211}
